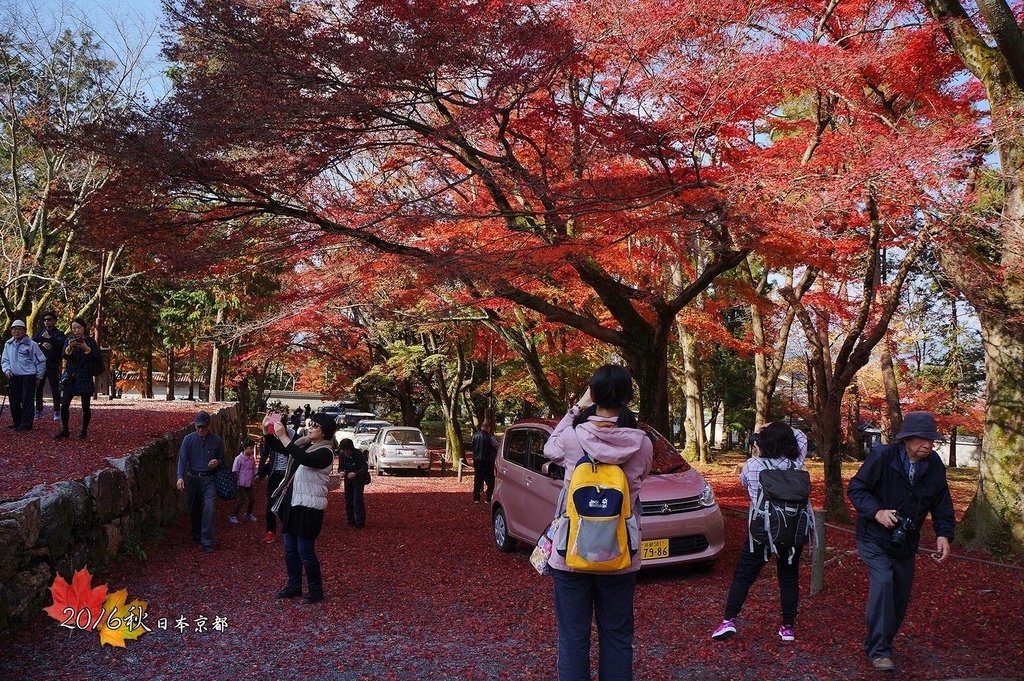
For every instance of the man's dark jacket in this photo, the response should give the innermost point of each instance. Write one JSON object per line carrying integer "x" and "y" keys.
{"x": 56, "y": 351}
{"x": 882, "y": 483}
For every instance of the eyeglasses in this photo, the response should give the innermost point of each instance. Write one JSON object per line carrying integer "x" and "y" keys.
{"x": 316, "y": 425}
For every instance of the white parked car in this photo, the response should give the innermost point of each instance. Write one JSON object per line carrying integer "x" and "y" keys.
{"x": 364, "y": 433}
{"x": 347, "y": 424}
{"x": 399, "y": 448}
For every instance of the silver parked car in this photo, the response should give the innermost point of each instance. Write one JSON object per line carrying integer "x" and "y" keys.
{"x": 399, "y": 448}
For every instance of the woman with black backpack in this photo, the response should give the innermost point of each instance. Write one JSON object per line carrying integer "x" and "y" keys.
{"x": 82, "y": 363}
{"x": 776, "y": 446}
{"x": 356, "y": 472}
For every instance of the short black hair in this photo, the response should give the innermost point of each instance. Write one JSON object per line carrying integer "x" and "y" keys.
{"x": 777, "y": 441}
{"x": 246, "y": 443}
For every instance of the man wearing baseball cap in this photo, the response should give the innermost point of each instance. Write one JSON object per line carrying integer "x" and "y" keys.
{"x": 895, "y": 489}
{"x": 201, "y": 453}
{"x": 23, "y": 364}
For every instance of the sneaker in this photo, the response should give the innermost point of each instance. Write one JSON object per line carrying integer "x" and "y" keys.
{"x": 883, "y": 664}
{"x": 56, "y": 417}
{"x": 207, "y": 549}
{"x": 233, "y": 520}
{"x": 251, "y": 518}
{"x": 786, "y": 633}
{"x": 313, "y": 597}
{"x": 268, "y": 538}
{"x": 726, "y": 629}
{"x": 39, "y": 414}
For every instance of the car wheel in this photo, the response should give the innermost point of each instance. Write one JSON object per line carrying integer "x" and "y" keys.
{"x": 501, "y": 537}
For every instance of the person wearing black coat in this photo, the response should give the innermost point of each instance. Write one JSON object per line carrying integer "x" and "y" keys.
{"x": 353, "y": 466}
{"x": 893, "y": 492}
{"x": 51, "y": 340}
{"x": 81, "y": 361}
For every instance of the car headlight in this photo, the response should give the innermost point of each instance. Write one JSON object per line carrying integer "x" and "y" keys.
{"x": 707, "y": 496}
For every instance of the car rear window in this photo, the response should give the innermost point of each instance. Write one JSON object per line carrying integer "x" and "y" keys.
{"x": 403, "y": 437}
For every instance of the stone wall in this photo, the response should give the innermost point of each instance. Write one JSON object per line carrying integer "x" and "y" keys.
{"x": 62, "y": 527}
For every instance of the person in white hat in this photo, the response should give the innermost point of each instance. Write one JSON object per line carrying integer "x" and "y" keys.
{"x": 23, "y": 364}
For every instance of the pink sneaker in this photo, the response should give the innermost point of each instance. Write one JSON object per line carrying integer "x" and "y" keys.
{"x": 786, "y": 633}
{"x": 726, "y": 629}
{"x": 268, "y": 537}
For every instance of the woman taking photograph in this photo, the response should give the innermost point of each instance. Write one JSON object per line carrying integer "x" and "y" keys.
{"x": 81, "y": 360}
{"x": 303, "y": 498}
{"x": 775, "y": 446}
{"x": 600, "y": 425}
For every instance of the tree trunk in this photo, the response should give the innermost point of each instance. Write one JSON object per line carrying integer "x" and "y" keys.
{"x": 713, "y": 430}
{"x": 191, "y": 373}
{"x": 951, "y": 462}
{"x": 170, "y": 375}
{"x": 215, "y": 367}
{"x": 696, "y": 448}
{"x": 894, "y": 412}
{"x": 648, "y": 362}
{"x": 853, "y": 439}
{"x": 831, "y": 450}
{"x": 148, "y": 391}
{"x": 995, "y": 518}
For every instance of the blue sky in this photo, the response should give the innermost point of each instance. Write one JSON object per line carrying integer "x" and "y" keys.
{"x": 116, "y": 22}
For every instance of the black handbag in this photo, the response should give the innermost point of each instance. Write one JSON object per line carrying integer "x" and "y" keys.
{"x": 67, "y": 378}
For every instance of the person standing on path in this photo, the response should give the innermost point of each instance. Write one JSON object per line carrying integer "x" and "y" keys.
{"x": 23, "y": 364}
{"x": 353, "y": 466}
{"x": 51, "y": 340}
{"x": 82, "y": 358}
{"x": 485, "y": 449}
{"x": 199, "y": 456}
{"x": 896, "y": 488}
{"x": 602, "y": 426}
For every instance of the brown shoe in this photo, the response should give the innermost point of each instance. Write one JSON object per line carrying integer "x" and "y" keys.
{"x": 883, "y": 664}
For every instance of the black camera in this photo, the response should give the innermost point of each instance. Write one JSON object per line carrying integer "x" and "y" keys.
{"x": 899, "y": 532}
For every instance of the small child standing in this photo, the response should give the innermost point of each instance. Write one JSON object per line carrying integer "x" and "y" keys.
{"x": 245, "y": 468}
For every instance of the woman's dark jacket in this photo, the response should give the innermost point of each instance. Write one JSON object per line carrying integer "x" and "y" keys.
{"x": 882, "y": 483}
{"x": 83, "y": 366}
{"x": 353, "y": 461}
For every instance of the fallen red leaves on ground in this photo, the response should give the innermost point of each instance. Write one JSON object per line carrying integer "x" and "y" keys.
{"x": 117, "y": 427}
{"x": 421, "y": 593}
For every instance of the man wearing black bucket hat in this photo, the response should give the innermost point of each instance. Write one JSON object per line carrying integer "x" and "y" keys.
{"x": 895, "y": 489}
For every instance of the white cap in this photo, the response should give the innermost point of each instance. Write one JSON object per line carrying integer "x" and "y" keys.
{"x": 17, "y": 323}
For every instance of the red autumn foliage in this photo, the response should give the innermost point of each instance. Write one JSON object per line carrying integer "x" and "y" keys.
{"x": 71, "y": 600}
{"x": 422, "y": 593}
{"x": 32, "y": 458}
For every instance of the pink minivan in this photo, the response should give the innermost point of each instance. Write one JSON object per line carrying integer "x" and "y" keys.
{"x": 680, "y": 519}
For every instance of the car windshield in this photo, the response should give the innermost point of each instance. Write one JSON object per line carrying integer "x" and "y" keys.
{"x": 369, "y": 427}
{"x": 403, "y": 437}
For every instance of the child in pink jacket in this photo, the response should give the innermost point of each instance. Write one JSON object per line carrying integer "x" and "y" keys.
{"x": 245, "y": 468}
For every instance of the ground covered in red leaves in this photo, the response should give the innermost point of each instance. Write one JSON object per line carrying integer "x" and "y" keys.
{"x": 421, "y": 593}
{"x": 117, "y": 427}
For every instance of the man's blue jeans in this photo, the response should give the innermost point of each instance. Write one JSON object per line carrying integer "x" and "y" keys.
{"x": 201, "y": 494}
{"x": 298, "y": 554}
{"x": 578, "y": 598}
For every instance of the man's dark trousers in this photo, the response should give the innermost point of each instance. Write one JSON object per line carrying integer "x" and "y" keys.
{"x": 201, "y": 495}
{"x": 53, "y": 376}
{"x": 21, "y": 390}
{"x": 889, "y": 583}
{"x": 483, "y": 472}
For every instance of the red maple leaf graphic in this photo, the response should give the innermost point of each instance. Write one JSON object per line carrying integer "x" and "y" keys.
{"x": 71, "y": 600}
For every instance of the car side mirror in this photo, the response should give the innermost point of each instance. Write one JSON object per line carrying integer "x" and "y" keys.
{"x": 553, "y": 470}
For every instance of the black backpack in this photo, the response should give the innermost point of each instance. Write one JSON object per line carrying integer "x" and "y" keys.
{"x": 781, "y": 519}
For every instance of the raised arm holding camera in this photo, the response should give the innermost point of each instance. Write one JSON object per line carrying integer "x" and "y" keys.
{"x": 895, "y": 489}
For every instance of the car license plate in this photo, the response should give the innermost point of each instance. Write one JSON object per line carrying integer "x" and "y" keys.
{"x": 654, "y": 548}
